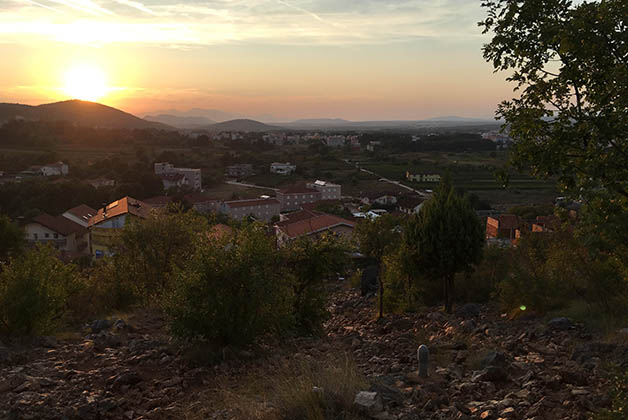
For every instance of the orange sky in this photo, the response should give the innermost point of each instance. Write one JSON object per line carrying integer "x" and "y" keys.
{"x": 363, "y": 60}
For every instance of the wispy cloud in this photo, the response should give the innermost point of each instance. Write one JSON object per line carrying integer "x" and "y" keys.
{"x": 189, "y": 23}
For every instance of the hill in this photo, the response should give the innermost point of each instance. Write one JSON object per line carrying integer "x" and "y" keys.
{"x": 180, "y": 121}
{"x": 79, "y": 112}
{"x": 241, "y": 125}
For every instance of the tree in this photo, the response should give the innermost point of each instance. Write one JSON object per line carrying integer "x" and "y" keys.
{"x": 444, "y": 238}
{"x": 148, "y": 251}
{"x": 11, "y": 238}
{"x": 232, "y": 290}
{"x": 312, "y": 261}
{"x": 569, "y": 63}
{"x": 377, "y": 238}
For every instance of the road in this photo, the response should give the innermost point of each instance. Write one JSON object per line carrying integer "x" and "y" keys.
{"x": 242, "y": 184}
{"x": 390, "y": 181}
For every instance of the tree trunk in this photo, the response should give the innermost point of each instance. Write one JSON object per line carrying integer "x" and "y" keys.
{"x": 381, "y": 297}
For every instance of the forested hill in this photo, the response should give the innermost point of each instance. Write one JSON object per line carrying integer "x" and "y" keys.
{"x": 81, "y": 113}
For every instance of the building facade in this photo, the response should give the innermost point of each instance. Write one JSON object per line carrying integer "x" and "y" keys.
{"x": 171, "y": 176}
{"x": 263, "y": 209}
{"x": 282, "y": 168}
{"x": 328, "y": 190}
{"x": 292, "y": 198}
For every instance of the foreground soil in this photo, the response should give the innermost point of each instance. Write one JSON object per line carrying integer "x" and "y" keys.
{"x": 483, "y": 365}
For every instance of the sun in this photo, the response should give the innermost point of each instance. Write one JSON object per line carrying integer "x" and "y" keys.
{"x": 85, "y": 82}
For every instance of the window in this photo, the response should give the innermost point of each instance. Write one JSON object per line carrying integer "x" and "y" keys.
{"x": 47, "y": 235}
{"x": 35, "y": 235}
{"x": 56, "y": 236}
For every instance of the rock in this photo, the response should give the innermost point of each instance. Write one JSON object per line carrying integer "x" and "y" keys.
{"x": 120, "y": 325}
{"x": 493, "y": 358}
{"x": 469, "y": 310}
{"x": 560, "y": 323}
{"x": 369, "y": 403}
{"x": 402, "y": 324}
{"x": 12, "y": 382}
{"x": 125, "y": 378}
{"x": 100, "y": 325}
{"x": 491, "y": 374}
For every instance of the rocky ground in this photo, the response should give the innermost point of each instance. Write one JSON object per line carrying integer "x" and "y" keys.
{"x": 482, "y": 366}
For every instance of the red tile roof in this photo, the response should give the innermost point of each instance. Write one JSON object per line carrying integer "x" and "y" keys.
{"x": 313, "y": 225}
{"x": 251, "y": 203}
{"x": 59, "y": 224}
{"x": 125, "y": 205}
{"x": 509, "y": 221}
{"x": 297, "y": 216}
{"x": 83, "y": 212}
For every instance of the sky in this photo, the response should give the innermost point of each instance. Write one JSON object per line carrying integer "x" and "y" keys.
{"x": 273, "y": 59}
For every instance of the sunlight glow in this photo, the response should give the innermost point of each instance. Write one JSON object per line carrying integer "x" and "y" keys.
{"x": 86, "y": 83}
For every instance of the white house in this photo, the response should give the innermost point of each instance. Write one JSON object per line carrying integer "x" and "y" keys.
{"x": 282, "y": 168}
{"x": 71, "y": 238}
{"x": 172, "y": 176}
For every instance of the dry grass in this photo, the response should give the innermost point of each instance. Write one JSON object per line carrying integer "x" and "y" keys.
{"x": 303, "y": 389}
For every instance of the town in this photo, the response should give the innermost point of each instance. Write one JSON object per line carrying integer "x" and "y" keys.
{"x": 314, "y": 210}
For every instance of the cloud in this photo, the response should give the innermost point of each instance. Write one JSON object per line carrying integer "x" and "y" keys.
{"x": 192, "y": 23}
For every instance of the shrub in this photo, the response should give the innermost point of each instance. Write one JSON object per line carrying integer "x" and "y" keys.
{"x": 551, "y": 272}
{"x": 311, "y": 262}
{"x": 232, "y": 290}
{"x": 34, "y": 290}
{"x": 150, "y": 250}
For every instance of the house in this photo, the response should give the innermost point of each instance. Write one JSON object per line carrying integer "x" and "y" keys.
{"x": 328, "y": 190}
{"x": 422, "y": 177}
{"x": 410, "y": 204}
{"x": 55, "y": 169}
{"x": 202, "y": 203}
{"x": 105, "y": 226}
{"x": 293, "y": 197}
{"x": 282, "y": 168}
{"x": 192, "y": 178}
{"x": 241, "y": 170}
{"x": 372, "y": 145}
{"x": 505, "y": 226}
{"x": 172, "y": 181}
{"x": 312, "y": 224}
{"x": 381, "y": 198}
{"x": 80, "y": 214}
{"x": 69, "y": 237}
{"x": 549, "y": 223}
{"x": 101, "y": 182}
{"x": 335, "y": 141}
{"x": 263, "y": 209}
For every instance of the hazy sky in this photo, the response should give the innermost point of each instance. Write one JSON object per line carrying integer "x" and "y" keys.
{"x": 355, "y": 59}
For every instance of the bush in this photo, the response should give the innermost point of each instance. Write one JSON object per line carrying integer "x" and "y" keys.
{"x": 34, "y": 290}
{"x": 150, "y": 250}
{"x": 311, "y": 263}
{"x": 232, "y": 290}
{"x": 549, "y": 273}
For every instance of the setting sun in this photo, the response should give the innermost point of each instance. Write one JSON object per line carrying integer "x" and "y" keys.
{"x": 86, "y": 83}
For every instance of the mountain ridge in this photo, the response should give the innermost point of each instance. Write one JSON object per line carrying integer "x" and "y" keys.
{"x": 79, "y": 112}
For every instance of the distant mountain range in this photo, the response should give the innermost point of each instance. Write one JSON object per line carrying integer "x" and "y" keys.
{"x": 241, "y": 125}
{"x": 180, "y": 122}
{"x": 98, "y": 115}
{"x": 79, "y": 112}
